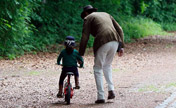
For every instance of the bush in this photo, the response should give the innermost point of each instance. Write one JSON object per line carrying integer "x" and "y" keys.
{"x": 167, "y": 26}
{"x": 140, "y": 27}
{"x": 54, "y": 21}
{"x": 36, "y": 25}
{"x": 14, "y": 27}
{"x": 161, "y": 10}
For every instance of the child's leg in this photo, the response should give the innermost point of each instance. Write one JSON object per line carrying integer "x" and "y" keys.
{"x": 61, "y": 81}
{"x": 76, "y": 79}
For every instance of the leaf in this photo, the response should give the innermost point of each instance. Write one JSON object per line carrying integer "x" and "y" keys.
{"x": 143, "y": 7}
{"x": 4, "y": 20}
{"x": 11, "y": 56}
{"x": 8, "y": 25}
{"x": 9, "y": 14}
{"x": 16, "y": 2}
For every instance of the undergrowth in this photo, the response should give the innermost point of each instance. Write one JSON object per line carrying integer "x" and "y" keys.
{"x": 135, "y": 28}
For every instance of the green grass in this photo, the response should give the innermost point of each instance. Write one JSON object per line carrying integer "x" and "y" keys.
{"x": 135, "y": 28}
{"x": 169, "y": 26}
{"x": 149, "y": 88}
{"x": 171, "y": 85}
{"x": 1, "y": 57}
{"x": 153, "y": 88}
{"x": 34, "y": 73}
{"x": 115, "y": 70}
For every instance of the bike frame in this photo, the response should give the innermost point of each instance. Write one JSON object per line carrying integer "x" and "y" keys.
{"x": 68, "y": 90}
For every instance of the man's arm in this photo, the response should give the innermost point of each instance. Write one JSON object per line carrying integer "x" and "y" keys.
{"x": 80, "y": 60}
{"x": 85, "y": 37}
{"x": 119, "y": 30}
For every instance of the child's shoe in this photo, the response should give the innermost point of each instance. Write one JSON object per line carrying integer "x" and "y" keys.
{"x": 77, "y": 83}
{"x": 59, "y": 95}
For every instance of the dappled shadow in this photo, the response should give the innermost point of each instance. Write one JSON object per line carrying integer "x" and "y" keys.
{"x": 103, "y": 105}
{"x": 58, "y": 103}
{"x": 150, "y": 59}
{"x": 76, "y": 105}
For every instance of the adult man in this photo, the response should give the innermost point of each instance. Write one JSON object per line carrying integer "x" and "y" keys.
{"x": 108, "y": 34}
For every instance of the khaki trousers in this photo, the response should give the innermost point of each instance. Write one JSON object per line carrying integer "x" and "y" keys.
{"x": 102, "y": 64}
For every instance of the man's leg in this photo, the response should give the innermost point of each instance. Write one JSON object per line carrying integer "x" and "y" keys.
{"x": 107, "y": 69}
{"x": 98, "y": 71}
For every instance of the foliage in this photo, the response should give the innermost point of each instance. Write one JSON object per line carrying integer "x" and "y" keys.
{"x": 14, "y": 27}
{"x": 169, "y": 26}
{"x": 140, "y": 27}
{"x": 54, "y": 21}
{"x": 36, "y": 25}
{"x": 161, "y": 10}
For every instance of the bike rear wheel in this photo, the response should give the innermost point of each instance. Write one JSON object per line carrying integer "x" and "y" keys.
{"x": 68, "y": 94}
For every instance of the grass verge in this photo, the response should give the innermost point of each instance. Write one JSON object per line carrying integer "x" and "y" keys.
{"x": 139, "y": 27}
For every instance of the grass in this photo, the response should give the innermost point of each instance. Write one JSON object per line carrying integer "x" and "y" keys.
{"x": 169, "y": 26}
{"x": 153, "y": 88}
{"x": 139, "y": 27}
{"x": 171, "y": 85}
{"x": 1, "y": 57}
{"x": 34, "y": 73}
{"x": 149, "y": 88}
{"x": 115, "y": 70}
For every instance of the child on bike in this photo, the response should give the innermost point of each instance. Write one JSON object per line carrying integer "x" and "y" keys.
{"x": 70, "y": 57}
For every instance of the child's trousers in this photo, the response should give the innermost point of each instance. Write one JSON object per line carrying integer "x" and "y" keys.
{"x": 65, "y": 70}
{"x": 102, "y": 64}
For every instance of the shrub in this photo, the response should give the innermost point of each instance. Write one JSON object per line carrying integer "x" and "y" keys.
{"x": 167, "y": 26}
{"x": 36, "y": 25}
{"x": 140, "y": 27}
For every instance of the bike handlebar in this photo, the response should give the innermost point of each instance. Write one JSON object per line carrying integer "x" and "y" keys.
{"x": 77, "y": 66}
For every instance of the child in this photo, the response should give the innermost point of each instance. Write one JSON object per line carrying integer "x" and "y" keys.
{"x": 70, "y": 57}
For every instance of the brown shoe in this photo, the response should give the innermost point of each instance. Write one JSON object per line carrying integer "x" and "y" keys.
{"x": 77, "y": 83}
{"x": 77, "y": 87}
{"x": 59, "y": 95}
{"x": 100, "y": 101}
{"x": 111, "y": 94}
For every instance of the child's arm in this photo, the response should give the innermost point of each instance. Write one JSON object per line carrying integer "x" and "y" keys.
{"x": 59, "y": 58}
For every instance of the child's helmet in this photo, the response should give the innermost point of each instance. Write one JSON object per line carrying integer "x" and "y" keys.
{"x": 69, "y": 41}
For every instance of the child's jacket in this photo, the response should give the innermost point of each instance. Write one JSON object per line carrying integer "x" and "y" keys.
{"x": 69, "y": 60}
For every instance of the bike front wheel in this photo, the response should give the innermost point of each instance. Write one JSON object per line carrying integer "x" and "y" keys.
{"x": 68, "y": 94}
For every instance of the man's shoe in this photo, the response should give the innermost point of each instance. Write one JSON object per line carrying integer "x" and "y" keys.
{"x": 111, "y": 94}
{"x": 77, "y": 87}
{"x": 100, "y": 101}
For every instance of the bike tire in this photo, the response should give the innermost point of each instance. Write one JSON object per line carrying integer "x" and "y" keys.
{"x": 68, "y": 95}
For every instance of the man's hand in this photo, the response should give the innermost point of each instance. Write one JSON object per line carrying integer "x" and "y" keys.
{"x": 120, "y": 53}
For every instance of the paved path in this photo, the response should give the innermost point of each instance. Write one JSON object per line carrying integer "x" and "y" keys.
{"x": 170, "y": 102}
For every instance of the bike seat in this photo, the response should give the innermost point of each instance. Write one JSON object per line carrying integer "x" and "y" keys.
{"x": 70, "y": 73}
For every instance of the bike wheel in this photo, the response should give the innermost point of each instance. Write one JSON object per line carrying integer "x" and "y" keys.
{"x": 68, "y": 95}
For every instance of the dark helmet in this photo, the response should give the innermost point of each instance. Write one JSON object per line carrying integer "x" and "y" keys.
{"x": 69, "y": 41}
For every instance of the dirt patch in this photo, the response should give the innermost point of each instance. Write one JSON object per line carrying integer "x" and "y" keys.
{"x": 143, "y": 78}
